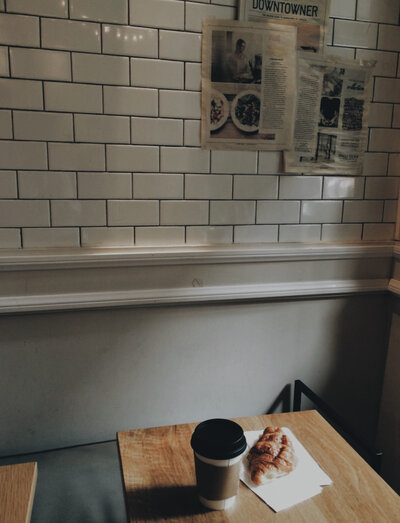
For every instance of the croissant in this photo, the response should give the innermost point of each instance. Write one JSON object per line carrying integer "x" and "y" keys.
{"x": 271, "y": 456}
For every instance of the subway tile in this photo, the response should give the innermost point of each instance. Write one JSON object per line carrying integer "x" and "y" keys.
{"x": 139, "y": 158}
{"x": 191, "y": 133}
{"x": 57, "y": 8}
{"x": 341, "y": 232}
{"x": 157, "y": 131}
{"x": 131, "y": 41}
{"x": 375, "y": 164}
{"x": 19, "y": 30}
{"x": 321, "y": 211}
{"x": 166, "y": 14}
{"x": 121, "y": 212}
{"x": 196, "y": 12}
{"x": 380, "y": 115}
{"x": 235, "y": 162}
{"x": 221, "y": 2}
{"x": 389, "y": 38}
{"x": 208, "y": 187}
{"x": 362, "y": 211}
{"x": 102, "y": 129}
{"x": 255, "y": 233}
{"x": 343, "y": 9}
{"x": 157, "y": 186}
{"x": 5, "y": 125}
{"x": 49, "y": 185}
{"x": 356, "y": 34}
{"x": 300, "y": 187}
{"x": 386, "y": 11}
{"x": 394, "y": 165}
{"x": 34, "y": 125}
{"x": 390, "y": 211}
{"x": 269, "y": 162}
{"x": 40, "y": 64}
{"x": 24, "y": 213}
{"x": 381, "y": 188}
{"x": 192, "y": 77}
{"x": 23, "y": 155}
{"x": 78, "y": 213}
{"x": 104, "y": 185}
{"x": 387, "y": 90}
{"x": 385, "y": 140}
{"x": 93, "y": 237}
{"x": 278, "y": 212}
{"x": 378, "y": 231}
{"x": 343, "y": 187}
{"x": 115, "y": 11}
{"x": 341, "y": 52}
{"x": 10, "y": 239}
{"x": 157, "y": 73}
{"x": 76, "y": 157}
{"x": 396, "y": 116}
{"x": 71, "y": 35}
{"x": 185, "y": 212}
{"x": 386, "y": 62}
{"x": 54, "y": 237}
{"x": 231, "y": 212}
{"x": 299, "y": 233}
{"x": 20, "y": 94}
{"x": 75, "y": 98}
{"x": 253, "y": 187}
{"x": 179, "y": 104}
{"x": 130, "y": 101}
{"x": 159, "y": 236}
{"x": 184, "y": 159}
{"x": 100, "y": 69}
{"x": 209, "y": 235}
{"x": 175, "y": 45}
{"x": 8, "y": 184}
{"x": 4, "y": 65}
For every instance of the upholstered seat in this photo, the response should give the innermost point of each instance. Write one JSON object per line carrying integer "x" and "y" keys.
{"x": 77, "y": 485}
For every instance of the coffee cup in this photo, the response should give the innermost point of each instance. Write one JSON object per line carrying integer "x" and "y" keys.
{"x": 218, "y": 446}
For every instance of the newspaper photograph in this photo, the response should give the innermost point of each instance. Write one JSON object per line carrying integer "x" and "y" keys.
{"x": 310, "y": 17}
{"x": 331, "y": 129}
{"x": 248, "y": 97}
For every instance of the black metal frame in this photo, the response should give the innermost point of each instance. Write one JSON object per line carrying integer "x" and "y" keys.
{"x": 371, "y": 455}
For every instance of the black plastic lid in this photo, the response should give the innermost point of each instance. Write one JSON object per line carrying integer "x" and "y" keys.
{"x": 218, "y": 439}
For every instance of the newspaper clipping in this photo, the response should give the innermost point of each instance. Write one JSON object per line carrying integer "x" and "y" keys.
{"x": 311, "y": 18}
{"x": 332, "y": 111}
{"x": 248, "y": 85}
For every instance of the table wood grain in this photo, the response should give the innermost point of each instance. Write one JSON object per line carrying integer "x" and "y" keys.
{"x": 159, "y": 477}
{"x": 17, "y": 490}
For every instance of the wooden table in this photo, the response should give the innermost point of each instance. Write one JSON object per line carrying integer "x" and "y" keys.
{"x": 17, "y": 489}
{"x": 159, "y": 478}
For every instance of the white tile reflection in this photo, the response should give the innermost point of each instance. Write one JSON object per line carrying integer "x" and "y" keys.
{"x": 135, "y": 41}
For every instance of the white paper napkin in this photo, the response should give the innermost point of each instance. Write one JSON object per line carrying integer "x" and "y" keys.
{"x": 304, "y": 482}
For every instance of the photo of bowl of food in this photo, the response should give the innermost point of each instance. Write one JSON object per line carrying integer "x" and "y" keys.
{"x": 245, "y": 111}
{"x": 219, "y": 110}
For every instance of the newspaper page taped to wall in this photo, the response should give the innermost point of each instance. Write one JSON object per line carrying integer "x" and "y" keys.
{"x": 248, "y": 85}
{"x": 333, "y": 102}
{"x": 310, "y": 16}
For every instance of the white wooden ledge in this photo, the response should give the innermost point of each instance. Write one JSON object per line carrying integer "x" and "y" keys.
{"x": 34, "y": 281}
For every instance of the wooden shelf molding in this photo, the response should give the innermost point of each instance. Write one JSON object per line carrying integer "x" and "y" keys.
{"x": 34, "y": 281}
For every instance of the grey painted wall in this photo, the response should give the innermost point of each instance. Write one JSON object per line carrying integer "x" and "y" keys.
{"x": 389, "y": 421}
{"x": 70, "y": 378}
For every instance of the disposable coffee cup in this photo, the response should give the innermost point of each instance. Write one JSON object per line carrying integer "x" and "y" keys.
{"x": 218, "y": 446}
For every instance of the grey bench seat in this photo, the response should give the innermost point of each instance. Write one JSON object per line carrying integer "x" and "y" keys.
{"x": 77, "y": 485}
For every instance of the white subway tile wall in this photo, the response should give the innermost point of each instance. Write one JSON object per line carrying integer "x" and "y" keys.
{"x": 100, "y": 133}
